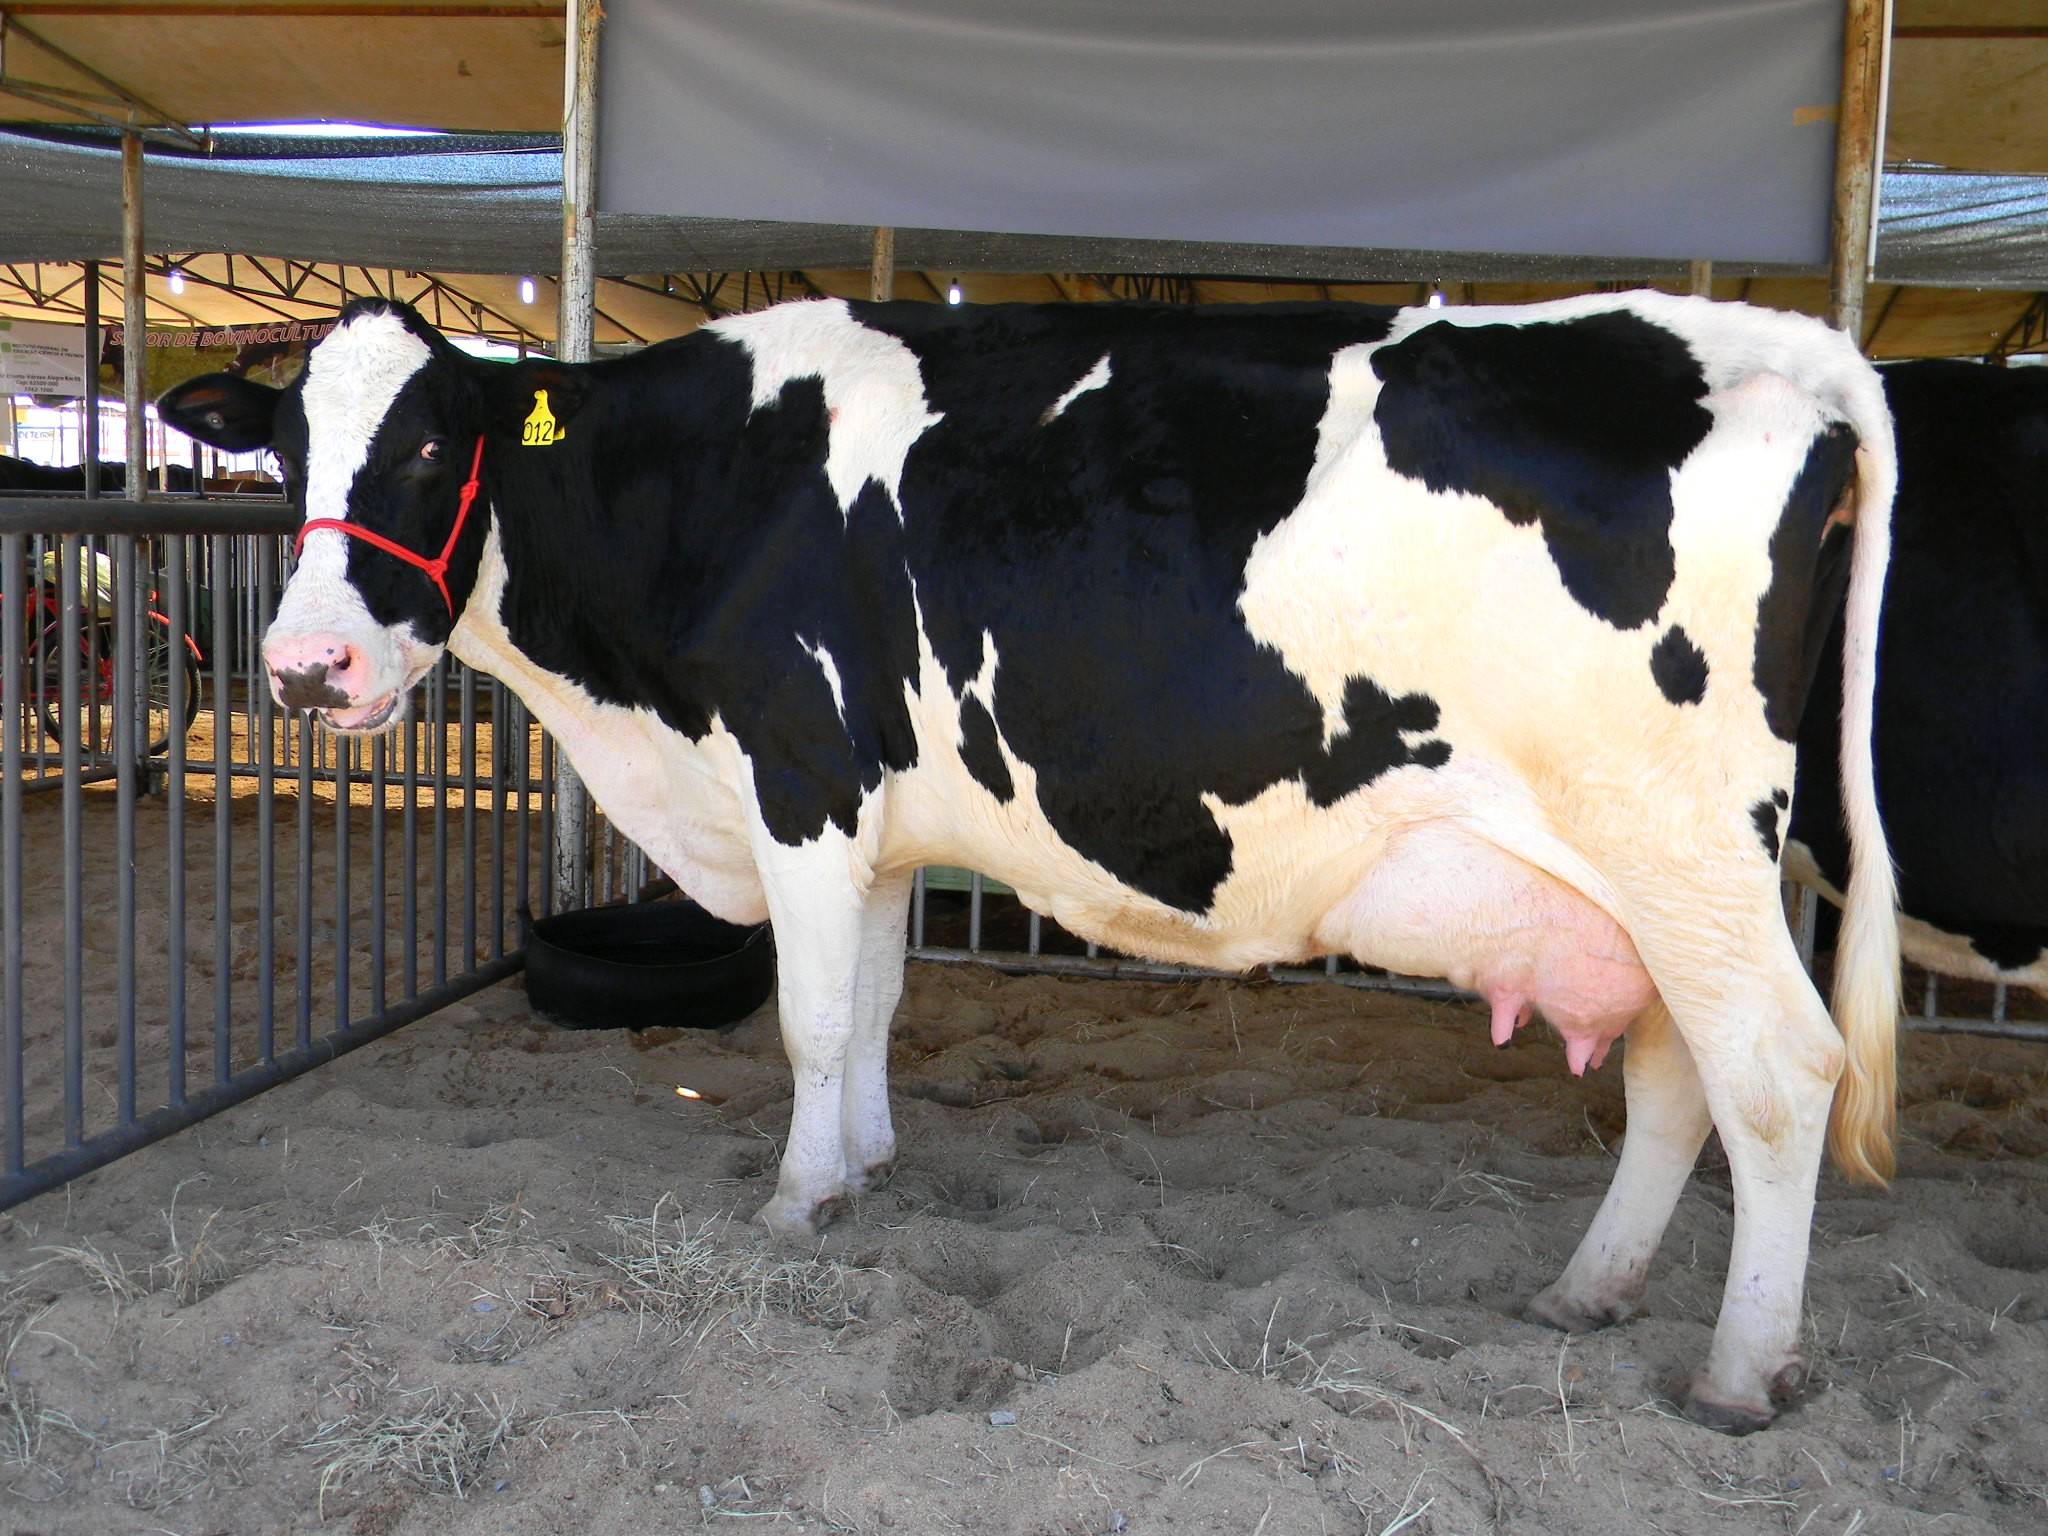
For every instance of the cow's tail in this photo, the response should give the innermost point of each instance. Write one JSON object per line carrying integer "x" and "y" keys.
{"x": 1864, "y": 1118}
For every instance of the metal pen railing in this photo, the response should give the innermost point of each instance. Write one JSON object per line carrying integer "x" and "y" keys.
{"x": 958, "y": 916}
{"x": 126, "y": 929}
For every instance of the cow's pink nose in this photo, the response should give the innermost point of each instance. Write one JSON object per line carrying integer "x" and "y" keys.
{"x": 313, "y": 671}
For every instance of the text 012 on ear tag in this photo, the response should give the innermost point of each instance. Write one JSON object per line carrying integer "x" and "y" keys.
{"x": 540, "y": 430}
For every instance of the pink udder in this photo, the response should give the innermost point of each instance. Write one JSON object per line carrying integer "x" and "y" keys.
{"x": 1443, "y": 902}
{"x": 1584, "y": 1048}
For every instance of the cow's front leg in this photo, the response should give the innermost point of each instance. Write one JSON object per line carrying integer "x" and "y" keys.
{"x": 867, "y": 1137}
{"x": 817, "y": 914}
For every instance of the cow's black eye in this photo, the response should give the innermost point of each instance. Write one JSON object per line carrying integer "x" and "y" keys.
{"x": 430, "y": 450}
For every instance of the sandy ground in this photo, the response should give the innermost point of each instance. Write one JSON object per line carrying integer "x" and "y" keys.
{"x": 1210, "y": 1257}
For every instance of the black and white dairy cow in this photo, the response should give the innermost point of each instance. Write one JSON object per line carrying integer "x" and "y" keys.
{"x": 1962, "y": 700}
{"x": 1470, "y": 643}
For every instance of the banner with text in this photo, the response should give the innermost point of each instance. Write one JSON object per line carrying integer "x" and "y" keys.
{"x": 272, "y": 353}
{"x": 37, "y": 358}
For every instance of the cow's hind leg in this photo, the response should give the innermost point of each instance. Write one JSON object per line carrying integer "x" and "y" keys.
{"x": 867, "y": 1137}
{"x": 1768, "y": 1056}
{"x": 1667, "y": 1122}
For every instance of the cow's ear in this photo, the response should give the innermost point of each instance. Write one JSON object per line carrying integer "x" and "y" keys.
{"x": 537, "y": 402}
{"x": 217, "y": 408}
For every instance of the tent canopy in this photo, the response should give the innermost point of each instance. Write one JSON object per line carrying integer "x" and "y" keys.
{"x": 456, "y": 220}
{"x": 1965, "y": 73}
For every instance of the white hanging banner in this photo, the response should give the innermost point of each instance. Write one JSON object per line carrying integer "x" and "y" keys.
{"x": 37, "y": 358}
{"x": 1673, "y": 129}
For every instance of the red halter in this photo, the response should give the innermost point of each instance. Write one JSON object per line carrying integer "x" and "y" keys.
{"x": 437, "y": 568}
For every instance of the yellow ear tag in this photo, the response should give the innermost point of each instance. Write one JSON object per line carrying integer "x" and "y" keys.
{"x": 540, "y": 430}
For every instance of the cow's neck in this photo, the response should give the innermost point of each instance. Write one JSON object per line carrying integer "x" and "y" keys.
{"x": 482, "y": 642}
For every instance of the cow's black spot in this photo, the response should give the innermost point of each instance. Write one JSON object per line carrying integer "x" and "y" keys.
{"x": 1764, "y": 814}
{"x": 1128, "y": 679}
{"x": 1575, "y": 425}
{"x": 1793, "y": 613}
{"x": 2011, "y": 948}
{"x": 980, "y": 751}
{"x": 717, "y": 621}
{"x": 1680, "y": 667}
{"x": 1371, "y": 743}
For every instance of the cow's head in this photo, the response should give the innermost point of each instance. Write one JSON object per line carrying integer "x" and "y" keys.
{"x": 381, "y": 432}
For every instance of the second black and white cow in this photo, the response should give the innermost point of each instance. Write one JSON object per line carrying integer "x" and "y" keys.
{"x": 1962, "y": 694}
{"x": 1469, "y": 643}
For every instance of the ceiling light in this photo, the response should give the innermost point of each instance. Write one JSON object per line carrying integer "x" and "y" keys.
{"x": 177, "y": 279}
{"x": 953, "y": 293}
{"x": 526, "y": 290}
{"x": 1436, "y": 298}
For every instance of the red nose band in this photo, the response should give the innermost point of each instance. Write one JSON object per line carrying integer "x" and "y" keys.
{"x": 436, "y": 568}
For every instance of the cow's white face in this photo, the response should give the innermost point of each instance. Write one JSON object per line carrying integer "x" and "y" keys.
{"x": 379, "y": 434}
{"x": 324, "y": 649}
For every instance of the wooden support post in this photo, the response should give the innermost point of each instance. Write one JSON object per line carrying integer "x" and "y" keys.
{"x": 882, "y": 270}
{"x": 89, "y": 387}
{"x": 575, "y": 327}
{"x": 134, "y": 314}
{"x": 1699, "y": 278}
{"x": 1856, "y": 157}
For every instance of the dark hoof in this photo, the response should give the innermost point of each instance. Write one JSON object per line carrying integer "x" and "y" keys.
{"x": 1728, "y": 1418}
{"x": 1555, "y": 1311}
{"x": 872, "y": 1177}
{"x": 798, "y": 1223}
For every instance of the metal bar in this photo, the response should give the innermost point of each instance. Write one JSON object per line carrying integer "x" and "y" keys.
{"x": 917, "y": 894}
{"x": 1120, "y": 969}
{"x": 409, "y": 861}
{"x": 341, "y": 877}
{"x": 51, "y": 1172}
{"x": 303, "y": 1015}
{"x": 72, "y": 514}
{"x": 548, "y": 824}
{"x": 2002, "y": 1029}
{"x": 522, "y": 824}
{"x": 437, "y": 708}
{"x": 126, "y": 610}
{"x": 974, "y": 892}
{"x": 88, "y": 697}
{"x": 379, "y": 757}
{"x": 14, "y": 712}
{"x": 501, "y": 779}
{"x": 70, "y": 699}
{"x": 469, "y": 892}
{"x": 223, "y": 833}
{"x": 264, "y": 733}
{"x": 1998, "y": 1003}
{"x": 174, "y": 821}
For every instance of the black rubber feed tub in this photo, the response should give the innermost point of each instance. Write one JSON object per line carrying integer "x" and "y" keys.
{"x": 655, "y": 963}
